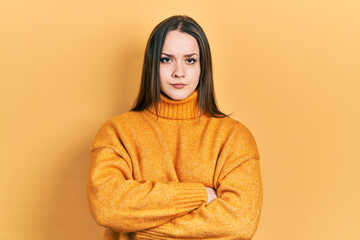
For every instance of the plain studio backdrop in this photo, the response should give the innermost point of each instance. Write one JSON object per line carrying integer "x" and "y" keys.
{"x": 288, "y": 70}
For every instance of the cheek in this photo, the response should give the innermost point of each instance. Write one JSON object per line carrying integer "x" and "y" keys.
{"x": 164, "y": 71}
{"x": 195, "y": 72}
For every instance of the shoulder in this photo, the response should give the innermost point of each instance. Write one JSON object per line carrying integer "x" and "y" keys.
{"x": 117, "y": 125}
{"x": 234, "y": 126}
{"x": 113, "y": 131}
{"x": 240, "y": 137}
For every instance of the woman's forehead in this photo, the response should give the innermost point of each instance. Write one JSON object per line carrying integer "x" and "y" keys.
{"x": 180, "y": 43}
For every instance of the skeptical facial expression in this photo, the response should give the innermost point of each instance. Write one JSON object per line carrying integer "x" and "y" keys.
{"x": 179, "y": 65}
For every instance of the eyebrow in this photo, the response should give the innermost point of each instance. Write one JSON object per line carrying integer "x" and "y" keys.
{"x": 186, "y": 55}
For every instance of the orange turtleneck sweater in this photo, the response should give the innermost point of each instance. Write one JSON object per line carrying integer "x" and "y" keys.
{"x": 147, "y": 175}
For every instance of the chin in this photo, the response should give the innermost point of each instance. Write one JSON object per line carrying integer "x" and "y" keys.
{"x": 177, "y": 96}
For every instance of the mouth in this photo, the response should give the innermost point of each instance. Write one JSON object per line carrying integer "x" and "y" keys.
{"x": 178, "y": 85}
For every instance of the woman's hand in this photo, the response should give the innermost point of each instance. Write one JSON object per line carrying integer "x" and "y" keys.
{"x": 211, "y": 193}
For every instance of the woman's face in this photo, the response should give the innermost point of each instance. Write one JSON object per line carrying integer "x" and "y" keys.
{"x": 179, "y": 65}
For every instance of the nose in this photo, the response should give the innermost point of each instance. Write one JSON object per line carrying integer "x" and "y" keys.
{"x": 179, "y": 70}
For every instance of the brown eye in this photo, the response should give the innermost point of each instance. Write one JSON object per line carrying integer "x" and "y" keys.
{"x": 165, "y": 60}
{"x": 191, "y": 60}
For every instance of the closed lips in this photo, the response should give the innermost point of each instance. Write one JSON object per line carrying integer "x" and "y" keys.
{"x": 178, "y": 85}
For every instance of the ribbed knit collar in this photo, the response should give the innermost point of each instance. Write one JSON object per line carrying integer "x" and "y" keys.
{"x": 181, "y": 109}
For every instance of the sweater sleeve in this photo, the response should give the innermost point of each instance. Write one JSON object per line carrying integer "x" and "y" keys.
{"x": 119, "y": 202}
{"x": 235, "y": 213}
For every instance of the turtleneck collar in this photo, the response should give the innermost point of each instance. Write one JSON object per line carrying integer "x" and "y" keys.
{"x": 177, "y": 109}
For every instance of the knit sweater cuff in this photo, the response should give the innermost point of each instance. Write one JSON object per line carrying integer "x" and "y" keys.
{"x": 190, "y": 194}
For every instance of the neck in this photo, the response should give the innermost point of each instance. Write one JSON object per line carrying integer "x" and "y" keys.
{"x": 181, "y": 109}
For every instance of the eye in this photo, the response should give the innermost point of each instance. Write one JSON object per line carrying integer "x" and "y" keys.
{"x": 191, "y": 60}
{"x": 165, "y": 60}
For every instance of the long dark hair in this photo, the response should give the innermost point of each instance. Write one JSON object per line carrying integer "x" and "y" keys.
{"x": 149, "y": 93}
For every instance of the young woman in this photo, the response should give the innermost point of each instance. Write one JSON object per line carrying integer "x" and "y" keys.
{"x": 175, "y": 166}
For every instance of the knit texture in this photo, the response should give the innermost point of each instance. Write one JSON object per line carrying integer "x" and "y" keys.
{"x": 148, "y": 173}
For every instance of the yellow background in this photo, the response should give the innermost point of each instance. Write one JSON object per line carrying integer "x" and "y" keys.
{"x": 289, "y": 70}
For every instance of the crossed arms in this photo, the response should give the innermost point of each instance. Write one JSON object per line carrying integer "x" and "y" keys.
{"x": 177, "y": 209}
